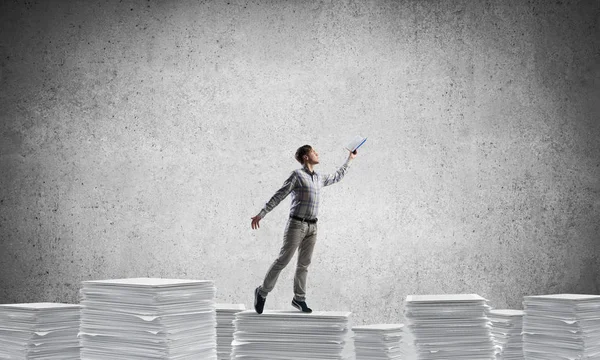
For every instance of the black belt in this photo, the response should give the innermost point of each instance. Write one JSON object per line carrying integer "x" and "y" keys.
{"x": 310, "y": 221}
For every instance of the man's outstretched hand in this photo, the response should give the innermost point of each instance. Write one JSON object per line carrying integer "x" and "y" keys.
{"x": 255, "y": 222}
{"x": 353, "y": 154}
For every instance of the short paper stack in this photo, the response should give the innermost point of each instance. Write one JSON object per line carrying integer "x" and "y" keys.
{"x": 378, "y": 341}
{"x": 452, "y": 326}
{"x": 225, "y": 328}
{"x": 147, "y": 318}
{"x": 507, "y": 327}
{"x": 39, "y": 331}
{"x": 291, "y": 335}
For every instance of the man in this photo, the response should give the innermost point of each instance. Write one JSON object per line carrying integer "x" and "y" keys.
{"x": 301, "y": 229}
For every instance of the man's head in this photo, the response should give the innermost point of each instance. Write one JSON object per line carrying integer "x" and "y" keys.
{"x": 307, "y": 155}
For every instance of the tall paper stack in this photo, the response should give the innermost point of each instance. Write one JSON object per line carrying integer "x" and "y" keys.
{"x": 39, "y": 331}
{"x": 225, "y": 328}
{"x": 378, "y": 341}
{"x": 291, "y": 335}
{"x": 561, "y": 326}
{"x": 507, "y": 327}
{"x": 146, "y": 318}
{"x": 452, "y": 326}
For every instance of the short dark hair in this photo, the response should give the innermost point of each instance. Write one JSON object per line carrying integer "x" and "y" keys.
{"x": 302, "y": 150}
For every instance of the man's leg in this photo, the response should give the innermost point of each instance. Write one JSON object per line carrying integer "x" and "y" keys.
{"x": 295, "y": 231}
{"x": 305, "y": 251}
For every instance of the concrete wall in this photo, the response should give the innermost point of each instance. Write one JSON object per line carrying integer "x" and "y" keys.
{"x": 139, "y": 137}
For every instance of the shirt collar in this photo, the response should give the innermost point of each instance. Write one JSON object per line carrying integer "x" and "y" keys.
{"x": 308, "y": 171}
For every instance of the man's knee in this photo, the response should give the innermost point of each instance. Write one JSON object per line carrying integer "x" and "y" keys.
{"x": 283, "y": 260}
{"x": 303, "y": 265}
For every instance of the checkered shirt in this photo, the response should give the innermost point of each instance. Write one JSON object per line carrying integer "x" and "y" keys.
{"x": 305, "y": 189}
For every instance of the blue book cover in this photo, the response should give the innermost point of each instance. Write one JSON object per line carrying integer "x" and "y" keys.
{"x": 356, "y": 143}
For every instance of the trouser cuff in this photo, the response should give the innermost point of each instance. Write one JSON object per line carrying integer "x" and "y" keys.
{"x": 262, "y": 292}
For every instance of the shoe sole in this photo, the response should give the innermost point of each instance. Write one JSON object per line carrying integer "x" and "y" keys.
{"x": 256, "y": 301}
{"x": 297, "y": 306}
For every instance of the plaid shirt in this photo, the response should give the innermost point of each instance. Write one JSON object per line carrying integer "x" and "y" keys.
{"x": 305, "y": 189}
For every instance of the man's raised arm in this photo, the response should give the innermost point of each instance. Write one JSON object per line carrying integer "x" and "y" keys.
{"x": 339, "y": 174}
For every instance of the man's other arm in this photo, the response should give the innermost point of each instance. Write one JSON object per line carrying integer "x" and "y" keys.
{"x": 281, "y": 194}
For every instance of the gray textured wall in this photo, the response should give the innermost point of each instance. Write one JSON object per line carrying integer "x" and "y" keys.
{"x": 137, "y": 138}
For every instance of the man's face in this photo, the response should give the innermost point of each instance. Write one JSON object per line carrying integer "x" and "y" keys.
{"x": 313, "y": 157}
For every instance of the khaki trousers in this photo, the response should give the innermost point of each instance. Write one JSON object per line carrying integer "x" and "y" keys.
{"x": 298, "y": 235}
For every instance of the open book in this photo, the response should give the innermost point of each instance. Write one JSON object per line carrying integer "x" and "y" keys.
{"x": 355, "y": 143}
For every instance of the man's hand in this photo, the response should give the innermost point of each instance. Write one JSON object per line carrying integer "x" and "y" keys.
{"x": 255, "y": 221}
{"x": 352, "y": 154}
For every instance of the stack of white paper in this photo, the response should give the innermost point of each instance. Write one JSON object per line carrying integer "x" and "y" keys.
{"x": 291, "y": 335}
{"x": 561, "y": 326}
{"x": 449, "y": 326}
{"x": 378, "y": 341}
{"x": 39, "y": 331}
{"x": 225, "y": 328}
{"x": 147, "y": 318}
{"x": 507, "y": 327}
